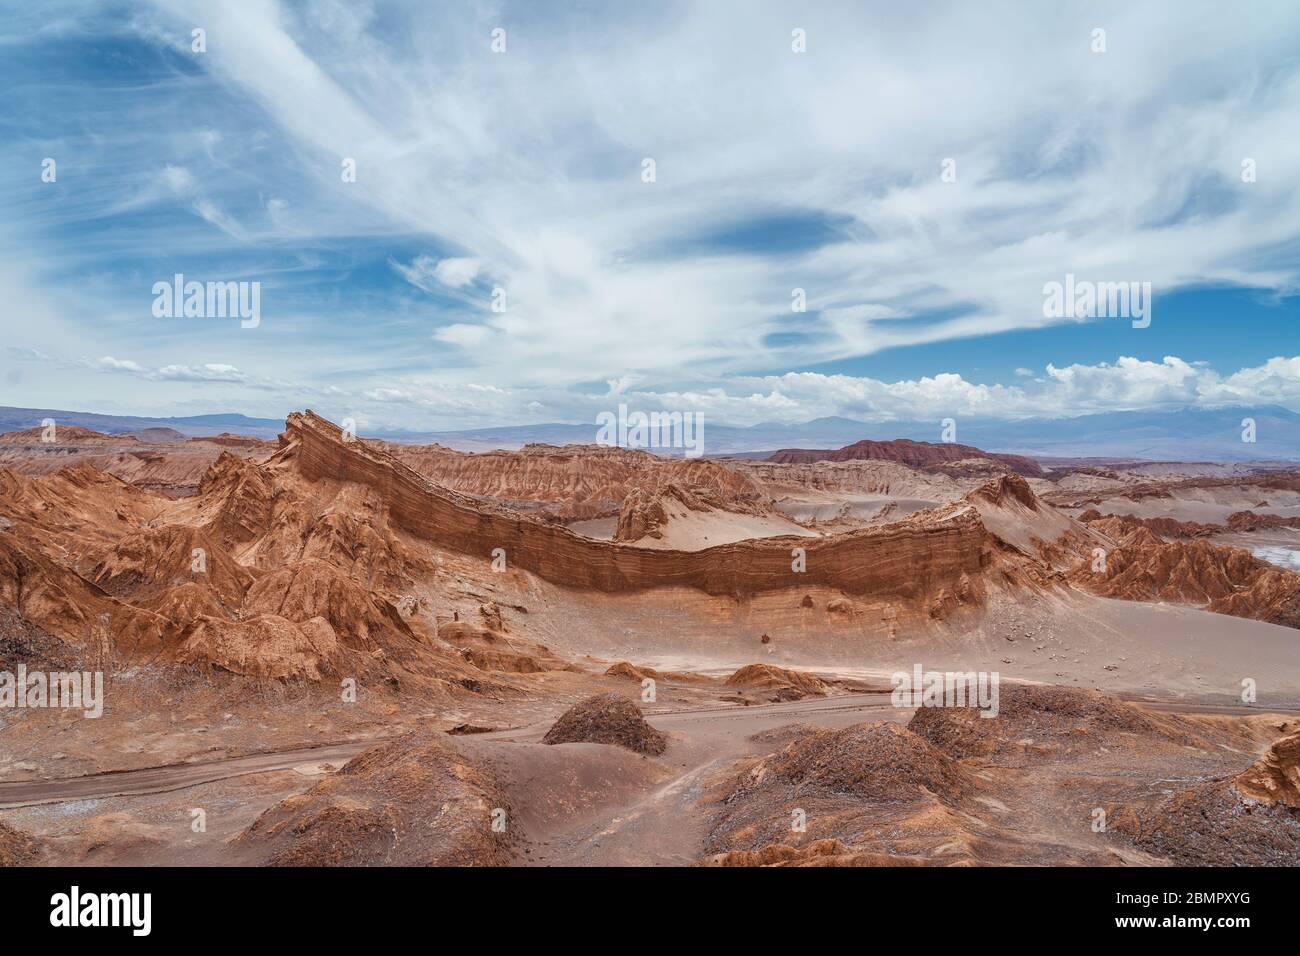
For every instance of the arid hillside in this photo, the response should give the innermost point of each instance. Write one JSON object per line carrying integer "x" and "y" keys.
{"x": 160, "y": 459}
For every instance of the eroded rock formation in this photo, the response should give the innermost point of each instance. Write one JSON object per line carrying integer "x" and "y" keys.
{"x": 1224, "y": 579}
{"x": 572, "y": 482}
{"x": 912, "y": 558}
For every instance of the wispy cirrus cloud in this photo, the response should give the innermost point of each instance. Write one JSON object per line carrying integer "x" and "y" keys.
{"x": 210, "y": 372}
{"x": 428, "y": 273}
{"x": 774, "y": 171}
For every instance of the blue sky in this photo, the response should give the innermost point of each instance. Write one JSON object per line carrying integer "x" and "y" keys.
{"x": 522, "y": 171}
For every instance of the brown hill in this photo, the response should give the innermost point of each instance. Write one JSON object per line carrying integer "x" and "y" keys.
{"x": 71, "y": 608}
{"x": 879, "y": 762}
{"x": 312, "y": 588}
{"x": 311, "y": 552}
{"x": 266, "y": 646}
{"x": 1250, "y": 521}
{"x": 785, "y": 683}
{"x": 227, "y": 440}
{"x": 17, "y": 848}
{"x": 643, "y": 513}
{"x": 62, "y": 435}
{"x": 418, "y": 800}
{"x": 73, "y": 507}
{"x": 607, "y": 719}
{"x": 915, "y": 454}
{"x": 868, "y": 788}
{"x": 1116, "y": 526}
{"x": 1043, "y": 720}
{"x": 159, "y": 463}
{"x": 649, "y": 513}
{"x": 163, "y": 461}
{"x": 1274, "y": 777}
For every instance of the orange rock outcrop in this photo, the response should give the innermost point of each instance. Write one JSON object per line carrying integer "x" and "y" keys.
{"x": 909, "y": 559}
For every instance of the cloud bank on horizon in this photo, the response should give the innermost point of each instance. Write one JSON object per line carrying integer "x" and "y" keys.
{"x": 504, "y": 256}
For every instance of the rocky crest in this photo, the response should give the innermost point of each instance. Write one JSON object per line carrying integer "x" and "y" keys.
{"x": 1223, "y": 579}
{"x": 645, "y": 512}
{"x": 913, "y": 558}
{"x": 1274, "y": 777}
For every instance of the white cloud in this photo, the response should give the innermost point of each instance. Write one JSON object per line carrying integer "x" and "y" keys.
{"x": 178, "y": 179}
{"x": 201, "y": 373}
{"x": 1126, "y": 384}
{"x": 1116, "y": 166}
{"x": 427, "y": 273}
{"x": 211, "y": 212}
{"x": 457, "y": 272}
{"x": 213, "y": 372}
{"x": 535, "y": 174}
{"x": 117, "y": 365}
{"x": 465, "y": 336}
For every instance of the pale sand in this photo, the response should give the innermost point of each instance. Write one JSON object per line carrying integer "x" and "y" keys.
{"x": 688, "y": 530}
{"x": 1060, "y": 637}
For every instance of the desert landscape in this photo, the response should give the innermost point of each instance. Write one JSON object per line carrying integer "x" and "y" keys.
{"x": 710, "y": 435}
{"x": 332, "y": 650}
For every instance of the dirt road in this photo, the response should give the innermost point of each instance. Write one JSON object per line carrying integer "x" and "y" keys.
{"x": 745, "y": 720}
{"x": 27, "y": 793}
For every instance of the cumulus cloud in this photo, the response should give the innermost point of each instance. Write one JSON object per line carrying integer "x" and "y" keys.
{"x": 795, "y": 397}
{"x": 1126, "y": 384}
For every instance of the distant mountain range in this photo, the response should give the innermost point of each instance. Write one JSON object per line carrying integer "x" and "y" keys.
{"x": 1184, "y": 434}
{"x": 194, "y": 426}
